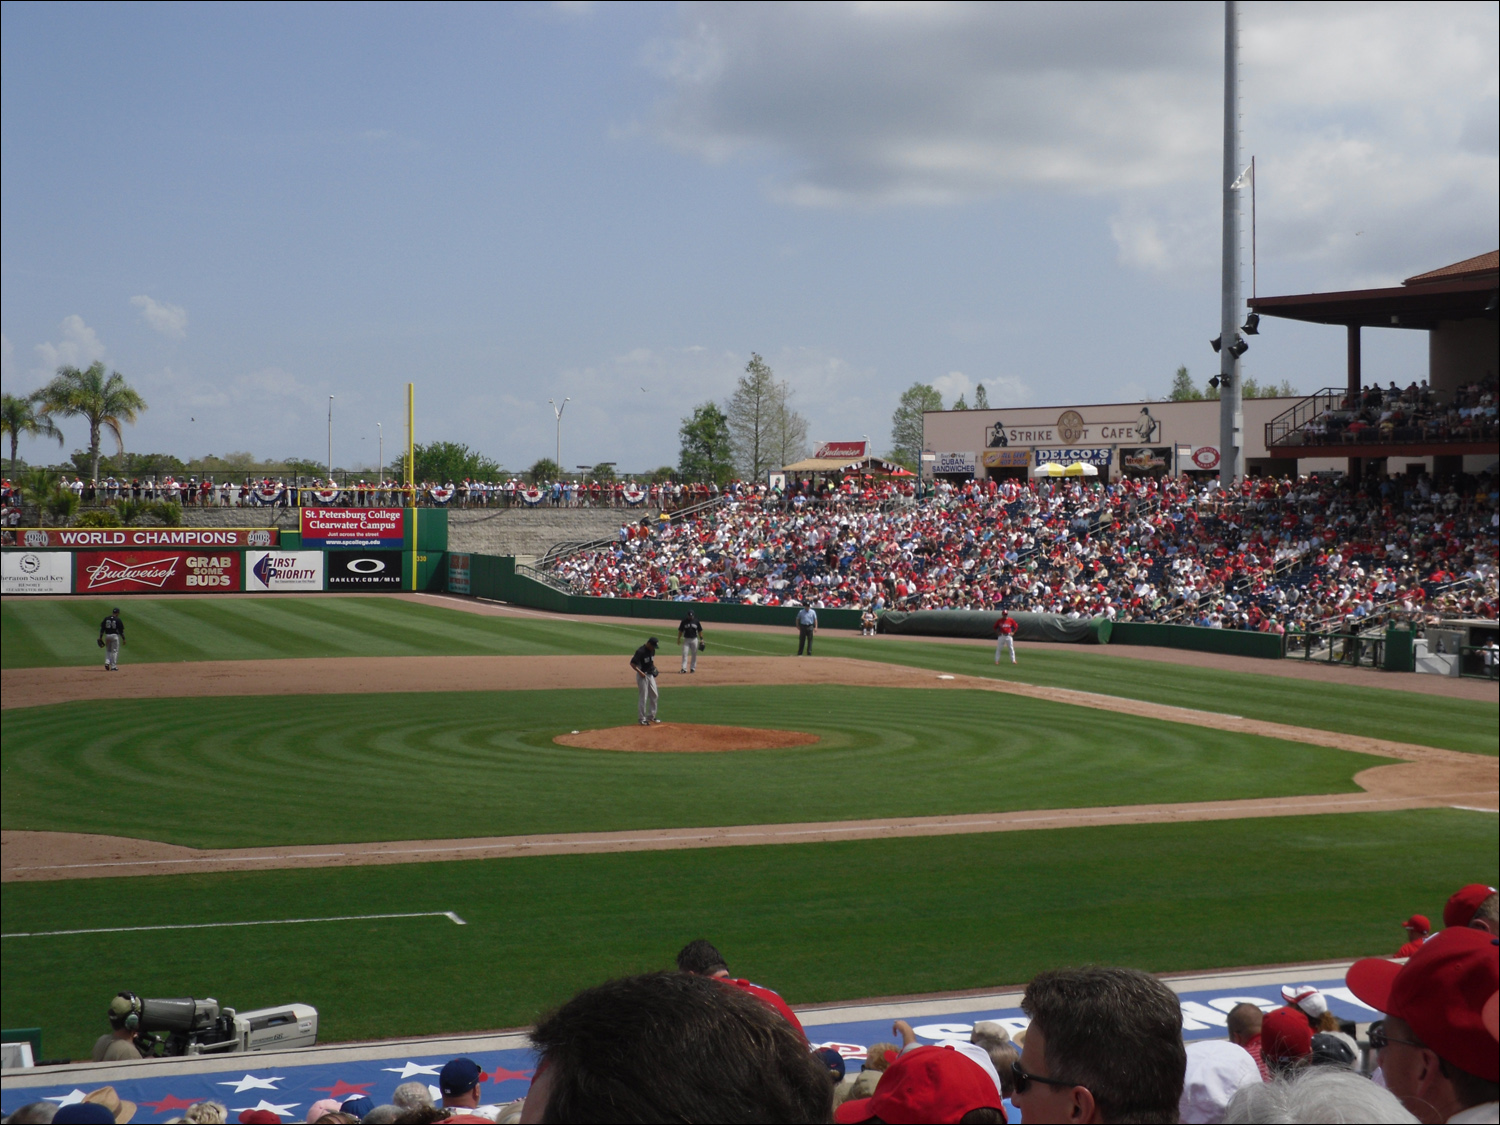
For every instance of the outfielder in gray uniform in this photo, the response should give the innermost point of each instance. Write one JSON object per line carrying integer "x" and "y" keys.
{"x": 111, "y": 637}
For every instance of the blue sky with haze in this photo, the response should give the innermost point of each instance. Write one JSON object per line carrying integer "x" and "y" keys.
{"x": 246, "y": 209}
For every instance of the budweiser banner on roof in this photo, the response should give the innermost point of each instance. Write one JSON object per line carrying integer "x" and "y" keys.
{"x": 153, "y": 572}
{"x": 84, "y": 537}
{"x": 354, "y": 527}
{"x": 836, "y": 450}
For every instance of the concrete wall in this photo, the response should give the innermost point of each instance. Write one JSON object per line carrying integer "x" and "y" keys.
{"x": 1461, "y": 351}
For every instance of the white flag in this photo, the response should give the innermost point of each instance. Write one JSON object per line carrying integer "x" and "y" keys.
{"x": 1245, "y": 177}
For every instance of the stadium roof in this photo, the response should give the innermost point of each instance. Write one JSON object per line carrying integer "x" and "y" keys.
{"x": 1461, "y": 291}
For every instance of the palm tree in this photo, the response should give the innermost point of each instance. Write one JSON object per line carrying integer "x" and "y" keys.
{"x": 103, "y": 402}
{"x": 20, "y": 416}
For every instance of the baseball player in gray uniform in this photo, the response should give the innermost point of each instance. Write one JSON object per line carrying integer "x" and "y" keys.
{"x": 644, "y": 664}
{"x": 111, "y": 637}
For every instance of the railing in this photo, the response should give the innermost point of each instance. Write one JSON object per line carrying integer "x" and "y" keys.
{"x": 1336, "y": 648}
{"x": 1478, "y": 662}
{"x": 1280, "y": 428}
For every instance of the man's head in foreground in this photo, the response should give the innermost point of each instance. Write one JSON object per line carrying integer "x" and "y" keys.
{"x": 1103, "y": 1045}
{"x": 673, "y": 1047}
{"x": 1438, "y": 1057}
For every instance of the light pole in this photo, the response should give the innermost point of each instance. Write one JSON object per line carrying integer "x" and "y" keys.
{"x": 330, "y": 439}
{"x": 380, "y": 439}
{"x": 558, "y": 411}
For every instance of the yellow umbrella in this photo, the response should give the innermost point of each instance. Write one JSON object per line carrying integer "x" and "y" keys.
{"x": 1079, "y": 469}
{"x": 1049, "y": 469}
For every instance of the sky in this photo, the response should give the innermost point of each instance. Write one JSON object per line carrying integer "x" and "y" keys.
{"x": 245, "y": 209}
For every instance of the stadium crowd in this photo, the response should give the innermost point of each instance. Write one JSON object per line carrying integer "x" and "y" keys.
{"x": 1272, "y": 555}
{"x": 1391, "y": 414}
{"x": 1100, "y": 1044}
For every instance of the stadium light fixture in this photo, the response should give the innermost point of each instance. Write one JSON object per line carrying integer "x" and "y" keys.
{"x": 1238, "y": 348}
{"x": 1217, "y": 342}
{"x": 1214, "y": 382}
{"x": 1252, "y": 325}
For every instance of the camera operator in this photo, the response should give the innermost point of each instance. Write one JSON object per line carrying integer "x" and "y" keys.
{"x": 125, "y": 1020}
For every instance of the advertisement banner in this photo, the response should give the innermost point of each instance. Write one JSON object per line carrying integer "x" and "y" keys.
{"x": 953, "y": 463}
{"x": 36, "y": 572}
{"x": 1204, "y": 457}
{"x": 354, "y": 527}
{"x": 838, "y": 450}
{"x": 155, "y": 572}
{"x": 1006, "y": 459}
{"x": 1146, "y": 459}
{"x": 458, "y": 574}
{"x": 364, "y": 570}
{"x": 1097, "y": 457}
{"x": 268, "y": 571}
{"x": 100, "y": 537}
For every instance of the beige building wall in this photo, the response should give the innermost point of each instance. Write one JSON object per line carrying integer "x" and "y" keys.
{"x": 1189, "y": 429}
{"x": 1461, "y": 352}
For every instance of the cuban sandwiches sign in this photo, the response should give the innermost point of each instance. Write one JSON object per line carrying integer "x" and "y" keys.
{"x": 354, "y": 527}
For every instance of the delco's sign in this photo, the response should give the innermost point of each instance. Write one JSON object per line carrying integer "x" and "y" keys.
{"x": 85, "y": 537}
{"x": 354, "y": 527}
{"x": 837, "y": 450}
{"x": 1099, "y": 457}
{"x": 149, "y": 572}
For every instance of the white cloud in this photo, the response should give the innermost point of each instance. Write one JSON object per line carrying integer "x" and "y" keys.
{"x": 79, "y": 347}
{"x": 1376, "y": 117}
{"x": 169, "y": 320}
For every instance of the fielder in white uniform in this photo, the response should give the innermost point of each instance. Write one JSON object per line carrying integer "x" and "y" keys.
{"x": 1005, "y": 633}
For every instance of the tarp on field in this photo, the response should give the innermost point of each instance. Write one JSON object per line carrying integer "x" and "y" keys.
{"x": 981, "y": 624}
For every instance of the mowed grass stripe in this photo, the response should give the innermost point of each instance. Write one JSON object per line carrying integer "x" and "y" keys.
{"x": 242, "y": 772}
{"x": 819, "y": 922}
{"x": 51, "y": 633}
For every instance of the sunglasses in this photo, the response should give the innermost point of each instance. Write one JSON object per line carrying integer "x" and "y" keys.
{"x": 1024, "y": 1078}
{"x": 1379, "y": 1040}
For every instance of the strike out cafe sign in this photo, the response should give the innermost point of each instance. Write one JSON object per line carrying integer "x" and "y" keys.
{"x": 1071, "y": 430}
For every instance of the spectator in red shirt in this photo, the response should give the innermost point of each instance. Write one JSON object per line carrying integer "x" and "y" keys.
{"x": 1417, "y": 929}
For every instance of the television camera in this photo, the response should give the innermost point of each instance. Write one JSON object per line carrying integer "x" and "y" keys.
{"x": 187, "y": 1026}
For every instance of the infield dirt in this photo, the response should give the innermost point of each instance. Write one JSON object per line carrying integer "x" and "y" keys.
{"x": 1426, "y": 776}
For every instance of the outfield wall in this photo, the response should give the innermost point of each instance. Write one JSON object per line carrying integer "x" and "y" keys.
{"x": 1232, "y": 642}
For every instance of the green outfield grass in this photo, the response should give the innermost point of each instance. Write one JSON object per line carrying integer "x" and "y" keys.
{"x": 818, "y": 922}
{"x": 62, "y": 632}
{"x": 237, "y": 772}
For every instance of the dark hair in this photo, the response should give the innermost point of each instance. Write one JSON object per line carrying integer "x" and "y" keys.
{"x": 1470, "y": 1088}
{"x": 702, "y": 958}
{"x": 677, "y": 1047}
{"x": 425, "y": 1114}
{"x": 1093, "y": 1020}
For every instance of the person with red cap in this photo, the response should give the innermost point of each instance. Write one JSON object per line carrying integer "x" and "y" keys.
{"x": 1285, "y": 1039}
{"x": 929, "y": 1084}
{"x": 1417, "y": 929}
{"x": 1464, "y": 904}
{"x": 1436, "y": 1054}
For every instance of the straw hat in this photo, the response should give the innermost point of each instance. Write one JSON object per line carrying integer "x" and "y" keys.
{"x": 111, "y": 1101}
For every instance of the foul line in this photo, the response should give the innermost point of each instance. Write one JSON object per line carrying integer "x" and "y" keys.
{"x": 448, "y": 914}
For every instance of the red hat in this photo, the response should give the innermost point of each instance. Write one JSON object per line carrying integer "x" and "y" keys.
{"x": 1285, "y": 1035}
{"x": 927, "y": 1084}
{"x": 259, "y": 1117}
{"x": 1419, "y": 923}
{"x": 1441, "y": 993}
{"x": 1465, "y": 901}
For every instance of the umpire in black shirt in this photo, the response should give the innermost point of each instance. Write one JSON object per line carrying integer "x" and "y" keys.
{"x": 689, "y": 632}
{"x": 644, "y": 663}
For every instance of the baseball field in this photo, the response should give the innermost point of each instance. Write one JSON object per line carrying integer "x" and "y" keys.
{"x": 352, "y": 775}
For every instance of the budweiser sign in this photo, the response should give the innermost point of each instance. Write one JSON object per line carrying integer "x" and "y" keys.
{"x": 836, "y": 450}
{"x": 113, "y": 572}
{"x": 143, "y": 572}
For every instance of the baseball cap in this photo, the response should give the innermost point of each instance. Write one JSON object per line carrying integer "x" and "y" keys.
{"x": 358, "y": 1106}
{"x": 1441, "y": 993}
{"x": 1419, "y": 923}
{"x": 1331, "y": 1050}
{"x": 1306, "y": 997}
{"x": 830, "y": 1057}
{"x": 1459, "y": 910}
{"x": 1215, "y": 1070}
{"x": 84, "y": 1113}
{"x": 928, "y": 1084}
{"x": 459, "y": 1076}
{"x": 254, "y": 1117}
{"x": 1285, "y": 1036}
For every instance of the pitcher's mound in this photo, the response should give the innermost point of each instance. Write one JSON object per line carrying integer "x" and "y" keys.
{"x": 684, "y": 738}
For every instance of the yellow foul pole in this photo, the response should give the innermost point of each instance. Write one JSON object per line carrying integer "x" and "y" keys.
{"x": 411, "y": 470}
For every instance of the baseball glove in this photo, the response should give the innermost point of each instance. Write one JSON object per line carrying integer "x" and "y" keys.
{"x": 101, "y": 642}
{"x": 702, "y": 646}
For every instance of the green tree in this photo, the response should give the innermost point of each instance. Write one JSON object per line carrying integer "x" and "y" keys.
{"x": 445, "y": 461}
{"x": 1183, "y": 387}
{"x": 906, "y": 422}
{"x": 104, "y": 401}
{"x": 788, "y": 429}
{"x": 960, "y": 403}
{"x": 19, "y": 417}
{"x": 705, "y": 452}
{"x": 603, "y": 471}
{"x": 753, "y": 414}
{"x": 1249, "y": 388}
{"x": 663, "y": 474}
{"x": 544, "y": 469}
{"x": 981, "y": 397}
